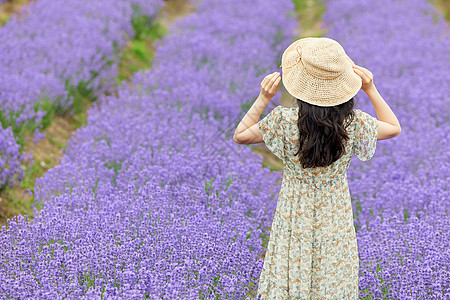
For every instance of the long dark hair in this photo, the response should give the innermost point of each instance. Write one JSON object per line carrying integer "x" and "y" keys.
{"x": 323, "y": 133}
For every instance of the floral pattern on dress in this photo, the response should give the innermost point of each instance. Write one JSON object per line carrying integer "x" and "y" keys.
{"x": 312, "y": 250}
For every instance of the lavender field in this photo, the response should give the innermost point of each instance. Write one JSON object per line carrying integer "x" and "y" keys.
{"x": 51, "y": 55}
{"x": 154, "y": 200}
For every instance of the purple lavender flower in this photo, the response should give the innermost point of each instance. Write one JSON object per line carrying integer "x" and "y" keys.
{"x": 10, "y": 158}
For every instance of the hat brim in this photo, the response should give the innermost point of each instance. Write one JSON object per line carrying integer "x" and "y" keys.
{"x": 318, "y": 91}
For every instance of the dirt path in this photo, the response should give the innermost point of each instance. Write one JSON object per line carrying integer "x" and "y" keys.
{"x": 444, "y": 7}
{"x": 174, "y": 10}
{"x": 48, "y": 151}
{"x": 10, "y": 7}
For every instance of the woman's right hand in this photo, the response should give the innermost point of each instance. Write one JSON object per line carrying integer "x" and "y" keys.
{"x": 366, "y": 76}
{"x": 388, "y": 125}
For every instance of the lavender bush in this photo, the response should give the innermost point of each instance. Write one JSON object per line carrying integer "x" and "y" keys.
{"x": 153, "y": 198}
{"x": 400, "y": 196}
{"x": 10, "y": 159}
{"x": 59, "y": 47}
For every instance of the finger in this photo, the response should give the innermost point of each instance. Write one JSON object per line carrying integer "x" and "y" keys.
{"x": 366, "y": 71}
{"x": 274, "y": 77}
{"x": 363, "y": 75}
{"x": 362, "y": 69}
{"x": 356, "y": 71}
{"x": 273, "y": 80}
{"x": 359, "y": 72}
{"x": 275, "y": 85}
{"x": 267, "y": 81}
{"x": 271, "y": 76}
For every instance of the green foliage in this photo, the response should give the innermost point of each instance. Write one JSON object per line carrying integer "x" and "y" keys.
{"x": 146, "y": 28}
{"x": 139, "y": 53}
{"x": 24, "y": 205}
{"x": 301, "y": 5}
{"x": 208, "y": 186}
{"x": 52, "y": 107}
{"x": 116, "y": 166}
{"x": 24, "y": 129}
{"x": 80, "y": 94}
{"x": 272, "y": 168}
{"x": 229, "y": 181}
{"x": 107, "y": 142}
{"x": 4, "y": 20}
{"x": 50, "y": 110}
{"x": 4, "y": 188}
{"x": 406, "y": 214}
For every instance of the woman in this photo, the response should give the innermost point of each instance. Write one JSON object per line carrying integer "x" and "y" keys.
{"x": 312, "y": 251}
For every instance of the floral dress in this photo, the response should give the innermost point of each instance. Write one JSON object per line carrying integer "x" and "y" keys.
{"x": 312, "y": 251}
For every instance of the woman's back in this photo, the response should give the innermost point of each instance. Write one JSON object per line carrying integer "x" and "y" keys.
{"x": 312, "y": 251}
{"x": 281, "y": 126}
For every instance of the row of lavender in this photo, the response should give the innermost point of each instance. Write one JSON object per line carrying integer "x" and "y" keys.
{"x": 153, "y": 198}
{"x": 52, "y": 48}
{"x": 401, "y": 196}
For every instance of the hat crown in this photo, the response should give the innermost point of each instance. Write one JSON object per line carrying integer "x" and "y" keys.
{"x": 324, "y": 58}
{"x": 318, "y": 71}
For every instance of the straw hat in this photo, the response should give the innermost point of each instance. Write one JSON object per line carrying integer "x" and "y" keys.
{"x": 319, "y": 72}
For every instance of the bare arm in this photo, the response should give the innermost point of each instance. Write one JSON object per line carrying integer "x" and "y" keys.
{"x": 247, "y": 131}
{"x": 388, "y": 125}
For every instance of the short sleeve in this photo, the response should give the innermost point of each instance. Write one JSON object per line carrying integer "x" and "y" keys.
{"x": 365, "y": 134}
{"x": 273, "y": 131}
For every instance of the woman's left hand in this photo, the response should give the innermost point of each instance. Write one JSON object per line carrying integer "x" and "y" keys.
{"x": 269, "y": 85}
